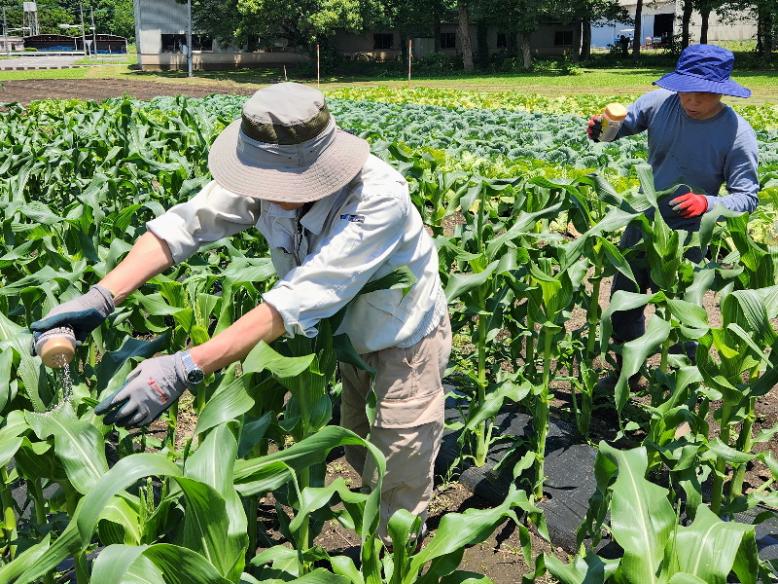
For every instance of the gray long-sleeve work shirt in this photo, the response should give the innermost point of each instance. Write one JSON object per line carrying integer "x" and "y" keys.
{"x": 362, "y": 232}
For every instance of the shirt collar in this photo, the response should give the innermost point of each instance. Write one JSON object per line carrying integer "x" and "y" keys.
{"x": 275, "y": 210}
{"x": 316, "y": 216}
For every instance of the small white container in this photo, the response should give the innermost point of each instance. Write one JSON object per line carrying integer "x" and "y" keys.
{"x": 612, "y": 118}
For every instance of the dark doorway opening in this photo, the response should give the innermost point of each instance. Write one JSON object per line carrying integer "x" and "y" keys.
{"x": 663, "y": 27}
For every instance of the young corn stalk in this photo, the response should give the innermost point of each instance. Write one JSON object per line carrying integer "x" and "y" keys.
{"x": 734, "y": 364}
{"x": 548, "y": 305}
{"x": 485, "y": 255}
{"x": 656, "y": 547}
{"x": 476, "y": 281}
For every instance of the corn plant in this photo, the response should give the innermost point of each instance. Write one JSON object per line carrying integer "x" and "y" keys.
{"x": 79, "y": 181}
{"x": 657, "y": 547}
{"x": 485, "y": 255}
{"x": 734, "y": 374}
{"x": 437, "y": 562}
{"x": 69, "y": 451}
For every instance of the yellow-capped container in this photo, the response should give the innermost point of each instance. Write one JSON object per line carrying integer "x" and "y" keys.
{"x": 56, "y": 347}
{"x": 612, "y": 117}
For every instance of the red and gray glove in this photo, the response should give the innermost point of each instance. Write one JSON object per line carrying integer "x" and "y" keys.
{"x": 690, "y": 205}
{"x": 594, "y": 127}
{"x": 151, "y": 388}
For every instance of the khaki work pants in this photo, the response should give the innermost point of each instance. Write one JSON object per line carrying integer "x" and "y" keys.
{"x": 408, "y": 424}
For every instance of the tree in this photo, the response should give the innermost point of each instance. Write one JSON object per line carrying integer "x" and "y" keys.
{"x": 114, "y": 17}
{"x": 231, "y": 28}
{"x": 463, "y": 34}
{"x": 413, "y": 18}
{"x": 638, "y": 30}
{"x": 50, "y": 15}
{"x": 765, "y": 12}
{"x": 766, "y": 25}
{"x": 704, "y": 20}
{"x": 305, "y": 22}
{"x": 705, "y": 7}
{"x": 686, "y": 18}
{"x": 521, "y": 18}
{"x": 111, "y": 16}
{"x": 583, "y": 13}
{"x": 525, "y": 16}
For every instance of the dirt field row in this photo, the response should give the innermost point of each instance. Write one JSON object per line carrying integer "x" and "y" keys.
{"x": 99, "y": 89}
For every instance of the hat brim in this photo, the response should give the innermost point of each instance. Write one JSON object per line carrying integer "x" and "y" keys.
{"x": 271, "y": 179}
{"x": 686, "y": 83}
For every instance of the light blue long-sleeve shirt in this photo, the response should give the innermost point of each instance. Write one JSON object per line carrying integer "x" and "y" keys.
{"x": 704, "y": 154}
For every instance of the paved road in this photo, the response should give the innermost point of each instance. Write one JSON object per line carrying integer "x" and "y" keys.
{"x": 38, "y": 62}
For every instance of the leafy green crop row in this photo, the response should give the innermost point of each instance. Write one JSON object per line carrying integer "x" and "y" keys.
{"x": 761, "y": 117}
{"x": 502, "y": 142}
{"x": 579, "y": 105}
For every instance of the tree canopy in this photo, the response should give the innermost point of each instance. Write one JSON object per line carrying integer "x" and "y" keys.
{"x": 111, "y": 16}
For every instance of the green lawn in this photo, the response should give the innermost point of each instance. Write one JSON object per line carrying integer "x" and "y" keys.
{"x": 590, "y": 81}
{"x": 45, "y": 74}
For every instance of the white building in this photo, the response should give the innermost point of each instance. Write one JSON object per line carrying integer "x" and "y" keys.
{"x": 661, "y": 19}
{"x": 160, "y": 33}
{"x": 550, "y": 38}
{"x": 160, "y": 37}
{"x": 11, "y": 43}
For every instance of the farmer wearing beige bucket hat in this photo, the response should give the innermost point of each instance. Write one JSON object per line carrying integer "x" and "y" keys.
{"x": 335, "y": 217}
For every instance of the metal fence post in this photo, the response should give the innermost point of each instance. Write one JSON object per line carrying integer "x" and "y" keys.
{"x": 189, "y": 52}
{"x": 410, "y": 58}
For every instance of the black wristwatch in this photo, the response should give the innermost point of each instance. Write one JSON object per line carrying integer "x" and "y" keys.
{"x": 194, "y": 374}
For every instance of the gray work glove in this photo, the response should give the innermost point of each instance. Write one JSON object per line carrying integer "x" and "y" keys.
{"x": 83, "y": 314}
{"x": 151, "y": 388}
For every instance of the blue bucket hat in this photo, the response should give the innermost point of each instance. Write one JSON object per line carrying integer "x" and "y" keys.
{"x": 704, "y": 68}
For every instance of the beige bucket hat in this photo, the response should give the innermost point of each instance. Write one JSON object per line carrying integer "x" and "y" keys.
{"x": 286, "y": 147}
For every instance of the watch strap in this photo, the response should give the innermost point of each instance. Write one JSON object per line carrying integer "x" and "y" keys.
{"x": 189, "y": 364}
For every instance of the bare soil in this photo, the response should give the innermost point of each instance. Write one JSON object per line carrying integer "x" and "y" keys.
{"x": 99, "y": 89}
{"x": 499, "y": 557}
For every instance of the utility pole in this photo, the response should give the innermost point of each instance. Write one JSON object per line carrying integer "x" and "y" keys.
{"x": 5, "y": 34}
{"x": 83, "y": 30}
{"x": 410, "y": 58}
{"x": 94, "y": 30}
{"x": 189, "y": 38}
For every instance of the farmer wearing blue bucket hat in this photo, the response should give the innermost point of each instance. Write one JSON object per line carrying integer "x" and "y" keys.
{"x": 693, "y": 139}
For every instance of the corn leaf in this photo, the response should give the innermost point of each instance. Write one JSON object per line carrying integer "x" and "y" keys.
{"x": 642, "y": 517}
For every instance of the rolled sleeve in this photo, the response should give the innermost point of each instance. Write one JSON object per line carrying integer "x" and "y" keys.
{"x": 369, "y": 229}
{"x": 210, "y": 215}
